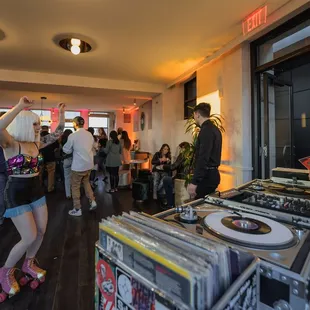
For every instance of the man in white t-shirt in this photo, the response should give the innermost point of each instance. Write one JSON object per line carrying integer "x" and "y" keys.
{"x": 80, "y": 144}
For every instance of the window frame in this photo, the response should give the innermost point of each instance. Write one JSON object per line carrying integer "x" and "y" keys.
{"x": 190, "y": 101}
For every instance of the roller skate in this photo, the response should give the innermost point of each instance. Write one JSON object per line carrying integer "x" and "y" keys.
{"x": 33, "y": 274}
{"x": 8, "y": 283}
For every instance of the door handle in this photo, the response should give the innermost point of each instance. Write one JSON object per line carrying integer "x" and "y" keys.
{"x": 265, "y": 151}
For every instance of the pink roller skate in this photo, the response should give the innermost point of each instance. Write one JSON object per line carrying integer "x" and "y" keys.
{"x": 33, "y": 274}
{"x": 8, "y": 283}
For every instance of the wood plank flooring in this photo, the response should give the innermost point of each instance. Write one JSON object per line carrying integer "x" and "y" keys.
{"x": 67, "y": 252}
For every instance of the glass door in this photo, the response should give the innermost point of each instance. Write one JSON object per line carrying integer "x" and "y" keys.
{"x": 276, "y": 109}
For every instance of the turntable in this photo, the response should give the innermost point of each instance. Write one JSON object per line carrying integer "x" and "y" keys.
{"x": 268, "y": 239}
{"x": 283, "y": 249}
{"x": 266, "y": 198}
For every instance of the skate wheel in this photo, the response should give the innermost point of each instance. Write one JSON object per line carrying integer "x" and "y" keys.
{"x": 3, "y": 297}
{"x": 23, "y": 281}
{"x": 42, "y": 280}
{"x": 34, "y": 284}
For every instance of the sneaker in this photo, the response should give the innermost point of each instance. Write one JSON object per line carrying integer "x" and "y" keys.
{"x": 93, "y": 205}
{"x": 75, "y": 212}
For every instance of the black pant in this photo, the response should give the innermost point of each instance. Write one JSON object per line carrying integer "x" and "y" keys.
{"x": 168, "y": 186}
{"x": 114, "y": 177}
{"x": 3, "y": 180}
{"x": 208, "y": 184}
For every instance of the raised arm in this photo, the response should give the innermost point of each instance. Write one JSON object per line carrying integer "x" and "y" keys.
{"x": 54, "y": 136}
{"x": 6, "y": 140}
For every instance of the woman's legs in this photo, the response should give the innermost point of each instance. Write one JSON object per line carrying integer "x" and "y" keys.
{"x": 26, "y": 226}
{"x": 67, "y": 176}
{"x": 40, "y": 216}
{"x": 156, "y": 179}
{"x": 110, "y": 170}
{"x": 116, "y": 176}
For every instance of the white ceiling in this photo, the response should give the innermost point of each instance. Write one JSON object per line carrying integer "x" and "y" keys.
{"x": 132, "y": 40}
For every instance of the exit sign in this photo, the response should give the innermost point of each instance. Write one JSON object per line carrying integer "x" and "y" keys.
{"x": 256, "y": 19}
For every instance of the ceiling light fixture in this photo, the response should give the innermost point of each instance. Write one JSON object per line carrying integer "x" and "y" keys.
{"x": 75, "y": 45}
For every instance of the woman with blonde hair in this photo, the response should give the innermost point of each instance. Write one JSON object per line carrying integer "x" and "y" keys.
{"x": 24, "y": 195}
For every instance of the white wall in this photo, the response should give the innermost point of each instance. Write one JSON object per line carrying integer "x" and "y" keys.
{"x": 231, "y": 76}
{"x": 168, "y": 125}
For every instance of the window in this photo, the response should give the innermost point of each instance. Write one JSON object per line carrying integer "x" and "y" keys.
{"x": 190, "y": 94}
{"x": 99, "y": 122}
{"x": 69, "y": 116}
{"x": 45, "y": 116}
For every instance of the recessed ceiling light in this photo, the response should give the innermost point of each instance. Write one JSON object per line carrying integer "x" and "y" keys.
{"x": 75, "y": 45}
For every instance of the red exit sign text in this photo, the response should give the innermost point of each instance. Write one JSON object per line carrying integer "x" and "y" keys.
{"x": 256, "y": 19}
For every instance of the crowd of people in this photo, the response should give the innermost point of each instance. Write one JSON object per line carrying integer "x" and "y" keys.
{"x": 27, "y": 150}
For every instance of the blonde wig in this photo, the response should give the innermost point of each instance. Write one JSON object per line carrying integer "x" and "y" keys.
{"x": 21, "y": 128}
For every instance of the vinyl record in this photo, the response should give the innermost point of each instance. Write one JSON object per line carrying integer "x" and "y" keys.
{"x": 278, "y": 237}
{"x": 246, "y": 225}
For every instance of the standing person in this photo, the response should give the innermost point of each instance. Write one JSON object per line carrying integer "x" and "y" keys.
{"x": 80, "y": 144}
{"x": 119, "y": 133}
{"x": 113, "y": 150}
{"x": 3, "y": 179}
{"x": 92, "y": 176}
{"x": 160, "y": 158}
{"x": 102, "y": 134}
{"x": 208, "y": 152}
{"x": 24, "y": 195}
{"x": 49, "y": 157}
{"x": 67, "y": 162}
{"x": 126, "y": 146}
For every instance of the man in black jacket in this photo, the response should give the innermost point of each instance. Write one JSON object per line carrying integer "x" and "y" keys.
{"x": 177, "y": 166}
{"x": 206, "y": 176}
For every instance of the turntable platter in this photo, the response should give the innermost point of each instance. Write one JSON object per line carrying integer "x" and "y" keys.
{"x": 249, "y": 230}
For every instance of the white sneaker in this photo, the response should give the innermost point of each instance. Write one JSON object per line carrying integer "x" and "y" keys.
{"x": 75, "y": 212}
{"x": 93, "y": 205}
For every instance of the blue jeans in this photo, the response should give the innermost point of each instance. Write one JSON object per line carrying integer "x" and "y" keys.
{"x": 3, "y": 180}
{"x": 168, "y": 186}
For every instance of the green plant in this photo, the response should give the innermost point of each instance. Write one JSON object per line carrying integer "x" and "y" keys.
{"x": 189, "y": 152}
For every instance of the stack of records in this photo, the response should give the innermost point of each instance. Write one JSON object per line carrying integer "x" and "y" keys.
{"x": 188, "y": 268}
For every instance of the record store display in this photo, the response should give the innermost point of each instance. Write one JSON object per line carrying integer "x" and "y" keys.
{"x": 247, "y": 248}
{"x": 189, "y": 270}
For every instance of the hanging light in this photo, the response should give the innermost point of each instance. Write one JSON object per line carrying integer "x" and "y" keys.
{"x": 134, "y": 102}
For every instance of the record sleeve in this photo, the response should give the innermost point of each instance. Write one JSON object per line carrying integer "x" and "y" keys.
{"x": 117, "y": 289}
{"x": 305, "y": 162}
{"x": 147, "y": 262}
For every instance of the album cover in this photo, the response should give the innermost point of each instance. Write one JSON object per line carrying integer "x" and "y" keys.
{"x": 305, "y": 162}
{"x": 117, "y": 289}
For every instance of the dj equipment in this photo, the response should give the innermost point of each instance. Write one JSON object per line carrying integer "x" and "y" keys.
{"x": 288, "y": 203}
{"x": 291, "y": 176}
{"x": 283, "y": 248}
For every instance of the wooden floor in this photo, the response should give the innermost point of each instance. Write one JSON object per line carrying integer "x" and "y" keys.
{"x": 67, "y": 252}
